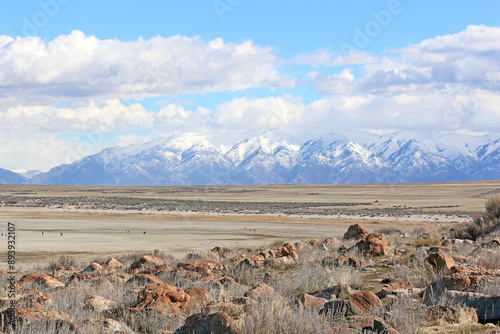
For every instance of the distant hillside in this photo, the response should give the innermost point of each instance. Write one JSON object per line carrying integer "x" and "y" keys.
{"x": 8, "y": 177}
{"x": 355, "y": 157}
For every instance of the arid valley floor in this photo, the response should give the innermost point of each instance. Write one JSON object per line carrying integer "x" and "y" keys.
{"x": 90, "y": 222}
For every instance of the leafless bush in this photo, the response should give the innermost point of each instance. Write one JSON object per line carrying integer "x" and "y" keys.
{"x": 406, "y": 315}
{"x": 273, "y": 315}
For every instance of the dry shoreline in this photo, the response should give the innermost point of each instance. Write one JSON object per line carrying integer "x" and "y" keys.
{"x": 90, "y": 222}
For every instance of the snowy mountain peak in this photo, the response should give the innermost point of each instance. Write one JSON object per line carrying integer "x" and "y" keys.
{"x": 355, "y": 157}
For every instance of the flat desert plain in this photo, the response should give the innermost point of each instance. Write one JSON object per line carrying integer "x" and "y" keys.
{"x": 98, "y": 222}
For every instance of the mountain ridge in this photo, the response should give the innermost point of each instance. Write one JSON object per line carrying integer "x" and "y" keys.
{"x": 355, "y": 157}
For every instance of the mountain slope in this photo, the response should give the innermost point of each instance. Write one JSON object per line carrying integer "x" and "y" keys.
{"x": 8, "y": 177}
{"x": 355, "y": 157}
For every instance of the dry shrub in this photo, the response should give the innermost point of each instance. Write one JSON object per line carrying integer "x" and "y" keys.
{"x": 492, "y": 261}
{"x": 274, "y": 315}
{"x": 435, "y": 240}
{"x": 406, "y": 315}
{"x": 65, "y": 261}
{"x": 481, "y": 224}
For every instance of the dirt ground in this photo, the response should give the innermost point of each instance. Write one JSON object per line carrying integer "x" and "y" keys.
{"x": 99, "y": 222}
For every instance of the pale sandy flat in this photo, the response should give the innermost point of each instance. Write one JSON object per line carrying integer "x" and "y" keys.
{"x": 90, "y": 231}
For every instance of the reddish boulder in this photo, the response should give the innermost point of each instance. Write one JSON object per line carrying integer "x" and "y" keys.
{"x": 253, "y": 261}
{"x": 146, "y": 262}
{"x": 93, "y": 268}
{"x": 312, "y": 303}
{"x": 47, "y": 281}
{"x": 364, "y": 302}
{"x": 440, "y": 261}
{"x": 204, "y": 267}
{"x": 374, "y": 244}
{"x": 28, "y": 279}
{"x": 112, "y": 263}
{"x": 344, "y": 260}
{"x": 330, "y": 243}
{"x": 164, "y": 298}
{"x": 260, "y": 292}
{"x": 356, "y": 232}
{"x": 389, "y": 289}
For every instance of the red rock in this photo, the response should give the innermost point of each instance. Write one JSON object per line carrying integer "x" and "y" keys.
{"x": 164, "y": 298}
{"x": 312, "y": 303}
{"x": 260, "y": 292}
{"x": 92, "y": 269}
{"x": 268, "y": 278}
{"x": 356, "y": 232}
{"x": 76, "y": 277}
{"x": 205, "y": 267}
{"x": 199, "y": 297}
{"x": 47, "y": 281}
{"x": 389, "y": 288}
{"x": 253, "y": 261}
{"x": 374, "y": 244}
{"x": 440, "y": 261}
{"x": 146, "y": 262}
{"x": 364, "y": 302}
{"x": 28, "y": 279}
{"x": 158, "y": 269}
{"x": 112, "y": 263}
{"x": 330, "y": 243}
{"x": 314, "y": 242}
{"x": 344, "y": 260}
{"x": 201, "y": 323}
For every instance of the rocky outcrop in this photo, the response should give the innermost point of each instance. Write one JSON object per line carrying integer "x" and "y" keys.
{"x": 374, "y": 244}
{"x": 486, "y": 307}
{"x": 46, "y": 281}
{"x": 145, "y": 262}
{"x": 330, "y": 243}
{"x": 360, "y": 303}
{"x": 168, "y": 299}
{"x": 260, "y": 292}
{"x": 312, "y": 303}
{"x": 394, "y": 288}
{"x": 356, "y": 232}
{"x": 440, "y": 261}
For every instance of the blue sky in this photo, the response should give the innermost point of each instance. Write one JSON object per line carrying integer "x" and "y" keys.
{"x": 124, "y": 72}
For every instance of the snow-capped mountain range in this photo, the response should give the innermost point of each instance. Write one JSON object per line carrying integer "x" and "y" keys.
{"x": 355, "y": 157}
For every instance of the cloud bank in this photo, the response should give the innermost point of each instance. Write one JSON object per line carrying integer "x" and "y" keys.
{"x": 52, "y": 92}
